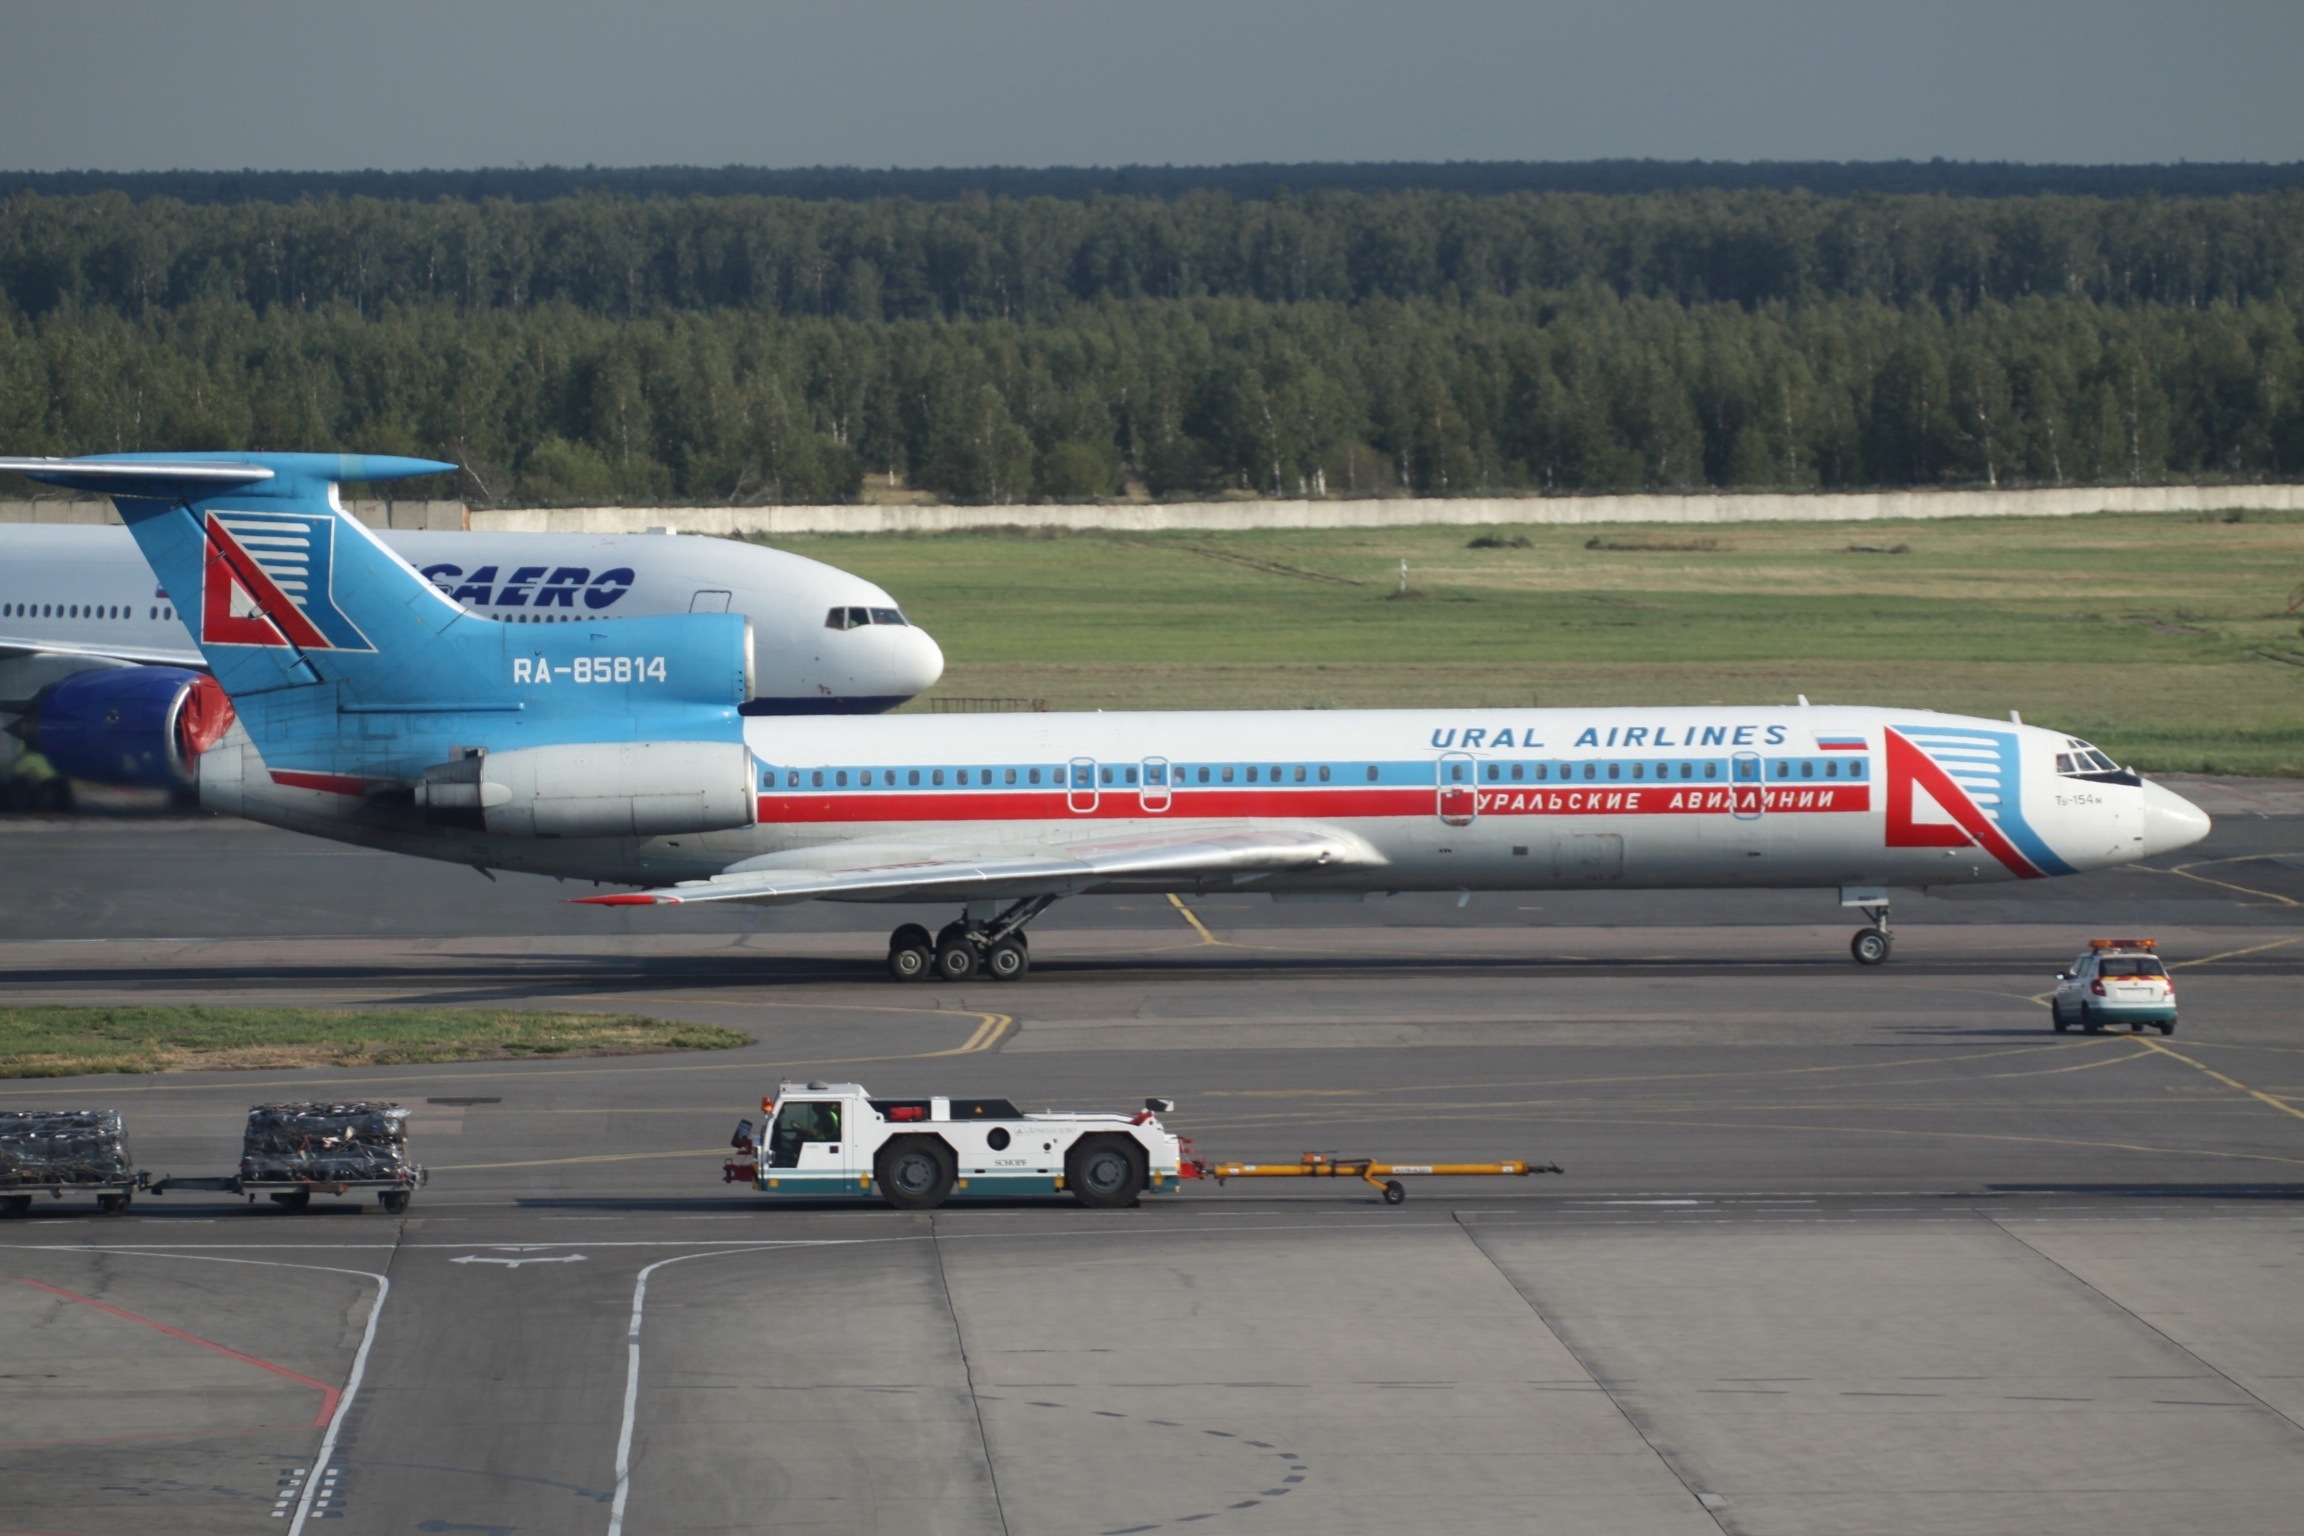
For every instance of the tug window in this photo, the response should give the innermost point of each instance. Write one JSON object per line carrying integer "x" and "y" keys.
{"x": 797, "y": 1125}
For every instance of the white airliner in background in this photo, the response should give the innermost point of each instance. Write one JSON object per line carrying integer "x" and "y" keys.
{"x": 77, "y": 600}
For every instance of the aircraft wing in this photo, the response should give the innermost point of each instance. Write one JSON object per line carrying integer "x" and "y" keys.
{"x": 127, "y": 655}
{"x": 859, "y": 872}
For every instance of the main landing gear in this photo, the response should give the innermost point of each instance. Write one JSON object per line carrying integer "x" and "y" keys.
{"x": 1871, "y": 945}
{"x": 979, "y": 944}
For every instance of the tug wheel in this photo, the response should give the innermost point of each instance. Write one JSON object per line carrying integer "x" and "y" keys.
{"x": 915, "y": 1173}
{"x": 1104, "y": 1172}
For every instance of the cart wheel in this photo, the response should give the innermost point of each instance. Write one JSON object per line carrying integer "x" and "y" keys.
{"x": 113, "y": 1205}
{"x": 1394, "y": 1191}
{"x": 15, "y": 1205}
{"x": 292, "y": 1199}
{"x": 394, "y": 1201}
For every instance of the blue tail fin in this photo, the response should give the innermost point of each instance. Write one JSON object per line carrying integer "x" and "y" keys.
{"x": 336, "y": 650}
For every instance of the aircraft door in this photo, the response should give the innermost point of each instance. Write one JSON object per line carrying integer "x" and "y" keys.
{"x": 1751, "y": 794}
{"x": 1080, "y": 793}
{"x": 1154, "y": 793}
{"x": 711, "y": 600}
{"x": 1459, "y": 795}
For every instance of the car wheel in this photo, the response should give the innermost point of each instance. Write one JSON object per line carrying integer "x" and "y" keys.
{"x": 2168, "y": 1028}
{"x": 2089, "y": 1022}
{"x": 2056, "y": 1017}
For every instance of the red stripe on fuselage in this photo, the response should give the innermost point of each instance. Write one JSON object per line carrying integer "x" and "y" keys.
{"x": 1288, "y": 803}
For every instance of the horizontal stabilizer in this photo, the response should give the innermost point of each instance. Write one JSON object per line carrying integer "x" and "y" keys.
{"x": 192, "y": 476}
{"x": 899, "y": 873}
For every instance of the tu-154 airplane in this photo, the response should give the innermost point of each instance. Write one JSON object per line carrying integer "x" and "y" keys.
{"x": 104, "y": 676}
{"x": 375, "y": 710}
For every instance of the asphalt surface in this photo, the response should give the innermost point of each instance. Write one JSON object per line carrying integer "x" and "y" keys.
{"x": 1837, "y": 1249}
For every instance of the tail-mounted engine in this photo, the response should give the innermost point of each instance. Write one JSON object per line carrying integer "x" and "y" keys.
{"x": 597, "y": 789}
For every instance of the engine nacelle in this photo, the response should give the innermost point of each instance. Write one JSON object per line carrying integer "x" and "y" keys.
{"x": 142, "y": 726}
{"x": 600, "y": 789}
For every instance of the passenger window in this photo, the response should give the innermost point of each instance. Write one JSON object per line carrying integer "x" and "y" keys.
{"x": 1591, "y": 772}
{"x": 1010, "y": 775}
{"x": 936, "y": 776}
{"x": 1615, "y": 770}
{"x": 1035, "y": 775}
{"x": 1128, "y": 775}
{"x": 1299, "y": 773}
{"x": 1517, "y": 770}
{"x": 841, "y": 778}
{"x": 1783, "y": 769}
{"x": 1832, "y": 768}
{"x": 1203, "y": 775}
{"x": 1251, "y": 775}
{"x": 1107, "y": 775}
{"x": 1371, "y": 773}
{"x": 1856, "y": 769}
{"x": 816, "y": 779}
{"x": 1323, "y": 773}
{"x": 1639, "y": 770}
{"x": 1543, "y": 771}
{"x": 1807, "y": 770}
{"x": 1495, "y": 771}
{"x": 1227, "y": 772}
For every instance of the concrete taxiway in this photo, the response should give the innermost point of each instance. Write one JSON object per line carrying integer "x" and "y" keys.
{"x": 1837, "y": 1249}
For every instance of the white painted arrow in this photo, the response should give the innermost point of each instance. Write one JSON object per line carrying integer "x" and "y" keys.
{"x": 481, "y": 1258}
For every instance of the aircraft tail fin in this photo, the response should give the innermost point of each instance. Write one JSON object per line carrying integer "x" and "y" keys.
{"x": 277, "y": 584}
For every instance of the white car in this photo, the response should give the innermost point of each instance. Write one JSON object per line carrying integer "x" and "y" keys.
{"x": 2118, "y": 981}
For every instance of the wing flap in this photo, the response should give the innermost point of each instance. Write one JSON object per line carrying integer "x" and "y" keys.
{"x": 857, "y": 871}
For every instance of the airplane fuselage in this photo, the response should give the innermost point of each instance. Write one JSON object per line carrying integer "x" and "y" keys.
{"x": 1437, "y": 800}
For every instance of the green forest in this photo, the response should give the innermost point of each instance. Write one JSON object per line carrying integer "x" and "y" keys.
{"x": 750, "y": 348}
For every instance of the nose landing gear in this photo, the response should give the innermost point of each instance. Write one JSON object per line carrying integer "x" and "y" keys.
{"x": 994, "y": 947}
{"x": 1871, "y": 945}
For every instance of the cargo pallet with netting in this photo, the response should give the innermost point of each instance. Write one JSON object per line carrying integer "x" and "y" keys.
{"x": 56, "y": 1152}
{"x": 292, "y": 1152}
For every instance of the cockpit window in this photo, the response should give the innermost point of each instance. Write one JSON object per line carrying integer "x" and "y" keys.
{"x": 857, "y": 618}
{"x": 2085, "y": 760}
{"x": 886, "y": 616}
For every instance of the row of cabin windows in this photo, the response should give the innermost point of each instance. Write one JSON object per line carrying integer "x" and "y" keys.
{"x": 80, "y": 611}
{"x": 1126, "y": 775}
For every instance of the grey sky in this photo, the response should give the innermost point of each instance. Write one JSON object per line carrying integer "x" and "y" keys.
{"x": 137, "y": 85}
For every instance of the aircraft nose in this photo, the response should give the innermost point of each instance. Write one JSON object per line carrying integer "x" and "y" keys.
{"x": 2171, "y": 821}
{"x": 923, "y": 663}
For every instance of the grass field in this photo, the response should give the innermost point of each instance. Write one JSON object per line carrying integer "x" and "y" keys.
{"x": 66, "y": 1042}
{"x": 2168, "y": 640}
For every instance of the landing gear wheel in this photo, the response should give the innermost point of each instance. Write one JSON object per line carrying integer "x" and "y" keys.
{"x": 292, "y": 1200}
{"x": 394, "y": 1201}
{"x": 956, "y": 959}
{"x": 950, "y": 933}
{"x": 1870, "y": 946}
{"x": 2056, "y": 1017}
{"x": 911, "y": 935}
{"x": 1394, "y": 1192}
{"x": 1007, "y": 960}
{"x": 113, "y": 1205}
{"x": 915, "y": 1173}
{"x": 1104, "y": 1172}
{"x": 15, "y": 1205}
{"x": 910, "y": 962}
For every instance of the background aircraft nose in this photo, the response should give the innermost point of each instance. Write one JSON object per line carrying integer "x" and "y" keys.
{"x": 922, "y": 663}
{"x": 2171, "y": 821}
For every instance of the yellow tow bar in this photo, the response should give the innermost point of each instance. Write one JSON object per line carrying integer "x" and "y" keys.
{"x": 1384, "y": 1176}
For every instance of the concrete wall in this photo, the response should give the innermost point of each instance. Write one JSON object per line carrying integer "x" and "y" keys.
{"x": 376, "y": 514}
{"x": 1203, "y": 516}
{"x": 1148, "y": 517}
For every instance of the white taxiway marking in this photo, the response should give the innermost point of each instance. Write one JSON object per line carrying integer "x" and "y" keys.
{"x": 481, "y": 1258}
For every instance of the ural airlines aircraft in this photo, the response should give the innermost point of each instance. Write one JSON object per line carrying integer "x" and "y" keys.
{"x": 373, "y": 709}
{"x": 106, "y": 675}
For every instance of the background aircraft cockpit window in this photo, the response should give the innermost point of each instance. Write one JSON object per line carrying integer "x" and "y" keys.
{"x": 887, "y": 616}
